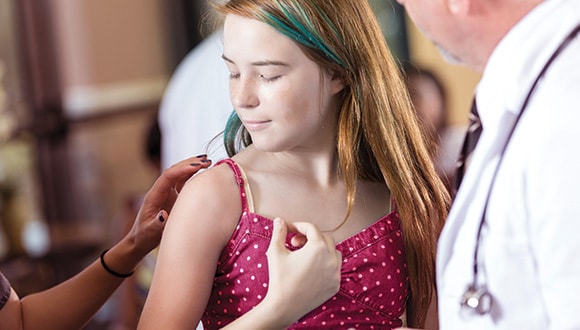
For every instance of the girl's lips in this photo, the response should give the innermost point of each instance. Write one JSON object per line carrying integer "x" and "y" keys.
{"x": 256, "y": 125}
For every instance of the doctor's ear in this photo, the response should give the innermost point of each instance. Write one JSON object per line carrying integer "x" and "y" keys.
{"x": 459, "y": 7}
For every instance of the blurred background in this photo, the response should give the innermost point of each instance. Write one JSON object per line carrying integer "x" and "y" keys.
{"x": 80, "y": 86}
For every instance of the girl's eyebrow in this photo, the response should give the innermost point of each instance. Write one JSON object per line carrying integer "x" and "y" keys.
{"x": 258, "y": 63}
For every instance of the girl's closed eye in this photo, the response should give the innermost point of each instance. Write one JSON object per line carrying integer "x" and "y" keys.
{"x": 270, "y": 78}
{"x": 234, "y": 75}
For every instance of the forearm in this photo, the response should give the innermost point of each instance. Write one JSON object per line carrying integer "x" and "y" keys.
{"x": 81, "y": 296}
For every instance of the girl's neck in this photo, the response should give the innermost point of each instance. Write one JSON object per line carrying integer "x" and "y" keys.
{"x": 317, "y": 167}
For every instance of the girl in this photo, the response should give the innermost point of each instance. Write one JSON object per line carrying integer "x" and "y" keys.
{"x": 323, "y": 132}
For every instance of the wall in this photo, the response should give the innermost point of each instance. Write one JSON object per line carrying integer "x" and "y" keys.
{"x": 112, "y": 54}
{"x": 114, "y": 61}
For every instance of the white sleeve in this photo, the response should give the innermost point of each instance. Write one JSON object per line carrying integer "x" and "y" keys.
{"x": 196, "y": 105}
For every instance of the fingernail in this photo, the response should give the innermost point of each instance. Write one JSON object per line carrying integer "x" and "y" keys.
{"x": 194, "y": 164}
{"x": 200, "y": 156}
{"x": 161, "y": 218}
{"x": 206, "y": 160}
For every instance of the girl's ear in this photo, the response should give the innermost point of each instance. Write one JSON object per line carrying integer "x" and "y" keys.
{"x": 336, "y": 82}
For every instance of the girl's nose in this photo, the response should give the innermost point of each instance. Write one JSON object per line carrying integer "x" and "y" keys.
{"x": 243, "y": 93}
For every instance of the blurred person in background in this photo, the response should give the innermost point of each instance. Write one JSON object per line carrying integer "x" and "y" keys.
{"x": 196, "y": 104}
{"x": 429, "y": 97}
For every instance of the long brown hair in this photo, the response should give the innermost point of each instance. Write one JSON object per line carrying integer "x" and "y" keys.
{"x": 378, "y": 135}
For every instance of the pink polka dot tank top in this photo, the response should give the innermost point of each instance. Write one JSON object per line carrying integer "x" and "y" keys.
{"x": 374, "y": 279}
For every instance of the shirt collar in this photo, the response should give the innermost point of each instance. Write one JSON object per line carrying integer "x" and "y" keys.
{"x": 519, "y": 57}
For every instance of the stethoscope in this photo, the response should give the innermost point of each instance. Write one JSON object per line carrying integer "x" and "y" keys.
{"x": 476, "y": 297}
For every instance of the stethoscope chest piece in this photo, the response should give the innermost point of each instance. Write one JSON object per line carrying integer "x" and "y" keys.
{"x": 476, "y": 299}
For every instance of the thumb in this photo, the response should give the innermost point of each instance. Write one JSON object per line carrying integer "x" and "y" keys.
{"x": 157, "y": 224}
{"x": 162, "y": 216}
{"x": 279, "y": 232}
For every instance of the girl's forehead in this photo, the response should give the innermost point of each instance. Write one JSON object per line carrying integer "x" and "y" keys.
{"x": 249, "y": 39}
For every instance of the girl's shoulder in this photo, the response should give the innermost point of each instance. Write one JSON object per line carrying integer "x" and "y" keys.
{"x": 216, "y": 188}
{"x": 209, "y": 202}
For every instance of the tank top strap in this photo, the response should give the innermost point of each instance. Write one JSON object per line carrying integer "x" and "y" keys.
{"x": 238, "y": 174}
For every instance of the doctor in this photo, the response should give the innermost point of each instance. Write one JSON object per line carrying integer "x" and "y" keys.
{"x": 519, "y": 203}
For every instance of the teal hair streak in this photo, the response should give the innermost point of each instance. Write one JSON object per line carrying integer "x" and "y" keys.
{"x": 305, "y": 35}
{"x": 233, "y": 125}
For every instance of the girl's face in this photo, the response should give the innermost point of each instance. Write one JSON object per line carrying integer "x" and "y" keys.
{"x": 284, "y": 99}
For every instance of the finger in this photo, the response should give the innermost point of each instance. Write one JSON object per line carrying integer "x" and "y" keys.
{"x": 162, "y": 216}
{"x": 190, "y": 169}
{"x": 307, "y": 229}
{"x": 188, "y": 175}
{"x": 179, "y": 172}
{"x": 279, "y": 232}
{"x": 339, "y": 258}
{"x": 153, "y": 231}
{"x": 313, "y": 234}
{"x": 191, "y": 160}
{"x": 198, "y": 165}
{"x": 298, "y": 240}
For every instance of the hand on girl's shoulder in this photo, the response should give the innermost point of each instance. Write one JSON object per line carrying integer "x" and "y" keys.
{"x": 209, "y": 204}
{"x": 215, "y": 189}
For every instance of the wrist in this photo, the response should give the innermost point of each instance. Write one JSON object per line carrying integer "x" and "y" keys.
{"x": 111, "y": 270}
{"x": 264, "y": 316}
{"x": 269, "y": 312}
{"x": 121, "y": 259}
